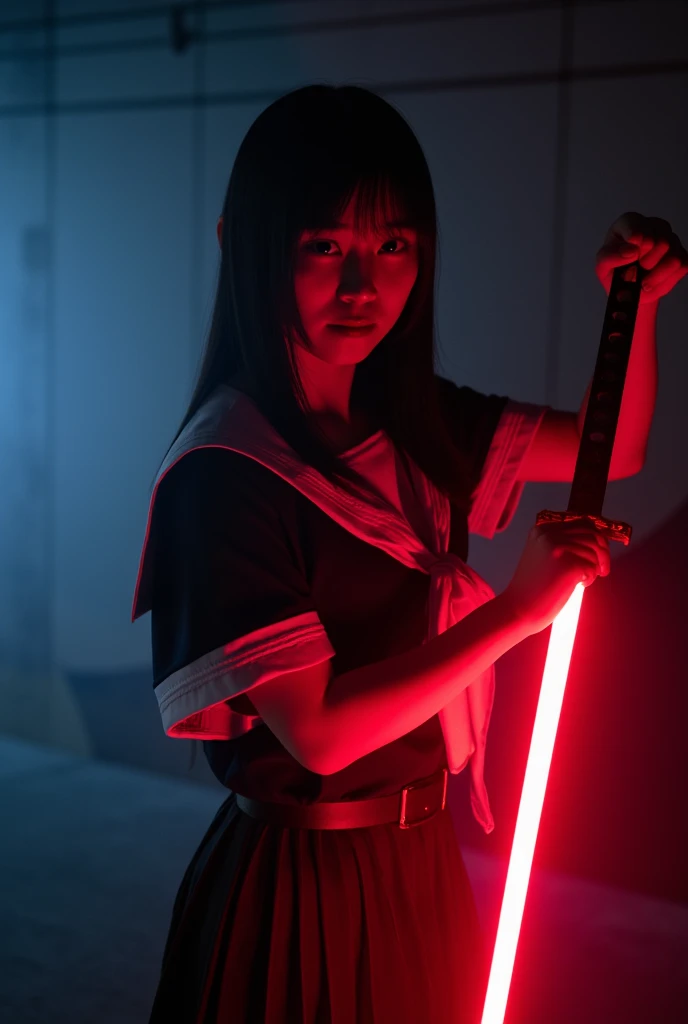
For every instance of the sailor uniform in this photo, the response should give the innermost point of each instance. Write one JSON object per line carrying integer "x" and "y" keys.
{"x": 254, "y": 565}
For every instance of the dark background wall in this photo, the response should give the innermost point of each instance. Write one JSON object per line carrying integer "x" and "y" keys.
{"x": 542, "y": 122}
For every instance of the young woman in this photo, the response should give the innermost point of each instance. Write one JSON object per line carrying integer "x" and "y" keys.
{"x": 314, "y": 621}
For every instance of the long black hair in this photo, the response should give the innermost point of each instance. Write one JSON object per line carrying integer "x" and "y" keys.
{"x": 297, "y": 168}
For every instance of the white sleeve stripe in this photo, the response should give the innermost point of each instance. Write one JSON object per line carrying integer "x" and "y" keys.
{"x": 192, "y": 700}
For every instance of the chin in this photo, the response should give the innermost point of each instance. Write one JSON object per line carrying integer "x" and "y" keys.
{"x": 345, "y": 351}
{"x": 345, "y": 357}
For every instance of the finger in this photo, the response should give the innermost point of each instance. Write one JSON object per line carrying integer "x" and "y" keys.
{"x": 664, "y": 277}
{"x": 667, "y": 268}
{"x": 611, "y": 256}
{"x": 642, "y": 243}
{"x": 651, "y": 258}
{"x": 594, "y": 547}
{"x": 602, "y": 560}
{"x": 582, "y": 556}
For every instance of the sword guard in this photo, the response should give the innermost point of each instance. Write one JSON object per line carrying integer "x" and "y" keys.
{"x": 613, "y": 529}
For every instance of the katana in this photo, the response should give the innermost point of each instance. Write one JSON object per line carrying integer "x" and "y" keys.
{"x": 585, "y": 503}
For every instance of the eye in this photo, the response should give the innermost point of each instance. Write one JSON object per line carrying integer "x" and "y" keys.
{"x": 310, "y": 247}
{"x": 395, "y": 240}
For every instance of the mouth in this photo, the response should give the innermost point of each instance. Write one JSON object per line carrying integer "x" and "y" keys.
{"x": 353, "y": 328}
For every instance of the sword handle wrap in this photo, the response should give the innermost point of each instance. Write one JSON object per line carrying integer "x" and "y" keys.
{"x": 613, "y": 529}
{"x": 604, "y": 403}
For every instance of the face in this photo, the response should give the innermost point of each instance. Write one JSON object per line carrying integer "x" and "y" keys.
{"x": 341, "y": 275}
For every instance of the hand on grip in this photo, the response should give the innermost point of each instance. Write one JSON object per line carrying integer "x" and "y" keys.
{"x": 556, "y": 557}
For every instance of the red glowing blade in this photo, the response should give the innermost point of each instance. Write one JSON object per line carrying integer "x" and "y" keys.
{"x": 585, "y": 503}
{"x": 530, "y": 808}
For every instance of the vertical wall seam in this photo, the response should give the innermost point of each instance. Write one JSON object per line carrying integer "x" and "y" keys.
{"x": 198, "y": 226}
{"x": 559, "y": 211}
{"x": 50, "y": 327}
{"x": 197, "y": 185}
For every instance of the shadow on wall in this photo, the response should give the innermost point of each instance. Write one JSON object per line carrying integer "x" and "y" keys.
{"x": 106, "y": 716}
{"x": 40, "y": 706}
{"x": 618, "y": 786}
{"x": 123, "y": 721}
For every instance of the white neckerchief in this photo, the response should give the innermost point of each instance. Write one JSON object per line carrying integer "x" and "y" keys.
{"x": 229, "y": 419}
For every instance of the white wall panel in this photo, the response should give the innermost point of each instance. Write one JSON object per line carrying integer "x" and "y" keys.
{"x": 14, "y": 11}
{"x": 428, "y": 50}
{"x": 635, "y": 31}
{"x": 122, "y": 321}
{"x": 22, "y": 63}
{"x": 132, "y": 72}
{"x": 494, "y": 198}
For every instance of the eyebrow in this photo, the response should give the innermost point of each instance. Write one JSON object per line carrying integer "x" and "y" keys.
{"x": 337, "y": 225}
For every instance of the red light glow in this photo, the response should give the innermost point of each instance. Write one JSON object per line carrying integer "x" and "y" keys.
{"x": 530, "y": 808}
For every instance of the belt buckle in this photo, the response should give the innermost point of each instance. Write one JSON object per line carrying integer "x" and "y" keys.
{"x": 403, "y": 813}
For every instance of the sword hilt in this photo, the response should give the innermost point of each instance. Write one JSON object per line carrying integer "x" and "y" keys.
{"x": 612, "y": 529}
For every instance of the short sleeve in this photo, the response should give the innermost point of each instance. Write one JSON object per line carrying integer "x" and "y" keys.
{"x": 231, "y": 605}
{"x": 494, "y": 432}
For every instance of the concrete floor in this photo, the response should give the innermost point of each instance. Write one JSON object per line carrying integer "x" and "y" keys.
{"x": 91, "y": 855}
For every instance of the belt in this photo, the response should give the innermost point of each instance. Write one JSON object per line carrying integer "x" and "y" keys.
{"x": 412, "y": 806}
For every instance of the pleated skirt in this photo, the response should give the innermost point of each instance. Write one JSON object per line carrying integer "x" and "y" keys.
{"x": 274, "y": 925}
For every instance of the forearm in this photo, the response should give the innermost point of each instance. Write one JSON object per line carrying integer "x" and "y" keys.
{"x": 638, "y": 403}
{"x": 368, "y": 707}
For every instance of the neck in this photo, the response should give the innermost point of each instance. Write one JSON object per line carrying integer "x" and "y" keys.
{"x": 328, "y": 393}
{"x": 327, "y": 388}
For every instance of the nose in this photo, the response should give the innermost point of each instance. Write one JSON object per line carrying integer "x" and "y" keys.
{"x": 356, "y": 282}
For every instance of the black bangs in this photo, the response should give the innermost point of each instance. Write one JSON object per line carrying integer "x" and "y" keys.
{"x": 382, "y": 200}
{"x": 354, "y": 142}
